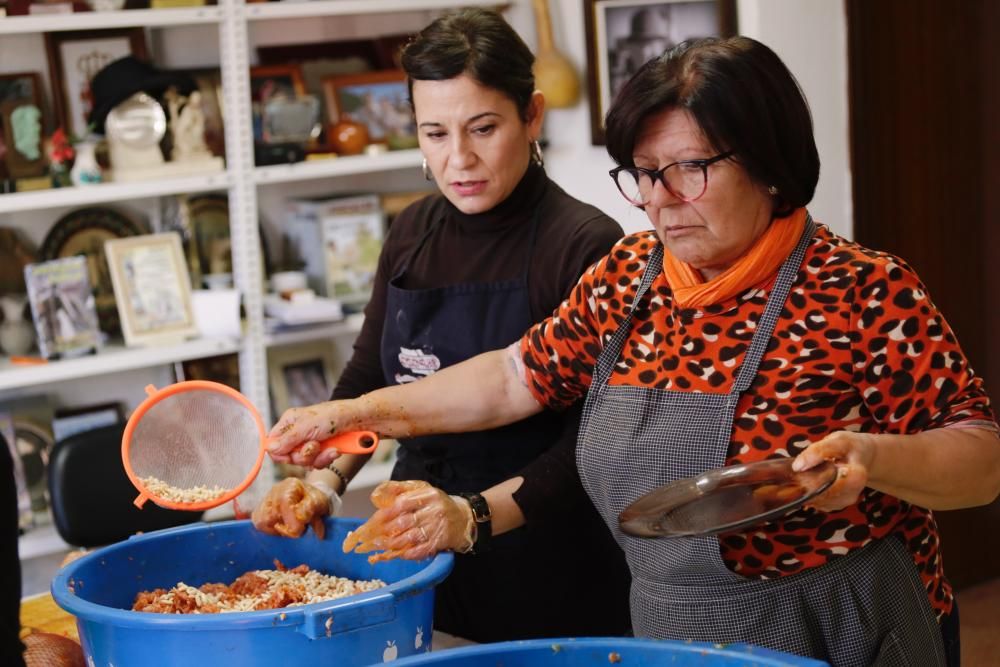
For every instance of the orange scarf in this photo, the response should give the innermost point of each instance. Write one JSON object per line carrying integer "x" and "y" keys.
{"x": 757, "y": 264}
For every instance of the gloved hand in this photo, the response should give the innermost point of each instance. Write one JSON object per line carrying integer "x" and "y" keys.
{"x": 414, "y": 521}
{"x": 292, "y": 504}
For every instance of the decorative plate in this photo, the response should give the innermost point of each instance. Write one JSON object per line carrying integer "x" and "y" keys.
{"x": 83, "y": 232}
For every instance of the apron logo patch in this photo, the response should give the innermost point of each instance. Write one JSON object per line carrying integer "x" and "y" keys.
{"x": 418, "y": 363}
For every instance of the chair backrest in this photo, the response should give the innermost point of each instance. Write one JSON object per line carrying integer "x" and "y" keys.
{"x": 91, "y": 496}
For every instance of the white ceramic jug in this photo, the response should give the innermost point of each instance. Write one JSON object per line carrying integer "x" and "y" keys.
{"x": 17, "y": 334}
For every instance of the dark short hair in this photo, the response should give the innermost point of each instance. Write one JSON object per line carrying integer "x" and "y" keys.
{"x": 743, "y": 98}
{"x": 476, "y": 42}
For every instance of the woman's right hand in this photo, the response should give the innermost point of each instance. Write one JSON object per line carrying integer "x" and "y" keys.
{"x": 296, "y": 436}
{"x": 290, "y": 507}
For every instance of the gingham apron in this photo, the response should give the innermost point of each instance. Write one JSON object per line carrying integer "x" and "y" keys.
{"x": 867, "y": 608}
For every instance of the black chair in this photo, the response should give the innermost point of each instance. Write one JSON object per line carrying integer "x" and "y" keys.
{"x": 91, "y": 496}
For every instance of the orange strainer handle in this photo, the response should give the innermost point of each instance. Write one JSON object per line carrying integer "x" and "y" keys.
{"x": 352, "y": 442}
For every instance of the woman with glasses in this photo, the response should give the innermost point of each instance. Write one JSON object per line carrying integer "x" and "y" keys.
{"x": 737, "y": 330}
{"x": 464, "y": 272}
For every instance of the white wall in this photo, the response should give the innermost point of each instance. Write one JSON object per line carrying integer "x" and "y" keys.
{"x": 809, "y": 35}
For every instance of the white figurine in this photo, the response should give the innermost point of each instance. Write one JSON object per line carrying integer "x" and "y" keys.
{"x": 187, "y": 126}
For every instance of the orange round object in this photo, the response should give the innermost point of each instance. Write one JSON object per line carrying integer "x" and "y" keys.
{"x": 348, "y": 137}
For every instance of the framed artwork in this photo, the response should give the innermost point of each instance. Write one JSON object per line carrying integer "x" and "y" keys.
{"x": 62, "y": 307}
{"x": 270, "y": 82}
{"x": 74, "y": 58}
{"x": 152, "y": 288}
{"x": 22, "y": 125}
{"x": 301, "y": 375}
{"x": 623, "y": 34}
{"x": 224, "y": 368}
{"x": 377, "y": 100}
{"x": 83, "y": 232}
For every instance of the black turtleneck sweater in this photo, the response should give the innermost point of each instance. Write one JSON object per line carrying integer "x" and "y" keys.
{"x": 489, "y": 247}
{"x": 494, "y": 596}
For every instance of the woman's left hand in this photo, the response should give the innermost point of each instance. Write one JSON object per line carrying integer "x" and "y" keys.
{"x": 853, "y": 454}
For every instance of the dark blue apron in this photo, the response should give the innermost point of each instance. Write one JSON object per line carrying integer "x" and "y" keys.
{"x": 491, "y": 596}
{"x": 429, "y": 329}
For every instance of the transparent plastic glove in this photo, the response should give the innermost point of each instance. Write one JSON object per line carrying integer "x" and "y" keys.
{"x": 414, "y": 521}
{"x": 291, "y": 505}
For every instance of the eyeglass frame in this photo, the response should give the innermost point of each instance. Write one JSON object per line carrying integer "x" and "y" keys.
{"x": 657, "y": 175}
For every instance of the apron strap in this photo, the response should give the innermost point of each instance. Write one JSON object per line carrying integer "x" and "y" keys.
{"x": 612, "y": 349}
{"x": 772, "y": 311}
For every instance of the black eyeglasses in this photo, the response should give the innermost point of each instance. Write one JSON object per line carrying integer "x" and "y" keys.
{"x": 687, "y": 180}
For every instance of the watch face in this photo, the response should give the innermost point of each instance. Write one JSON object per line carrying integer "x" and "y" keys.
{"x": 138, "y": 122}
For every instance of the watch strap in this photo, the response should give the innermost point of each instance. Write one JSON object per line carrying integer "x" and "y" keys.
{"x": 482, "y": 516}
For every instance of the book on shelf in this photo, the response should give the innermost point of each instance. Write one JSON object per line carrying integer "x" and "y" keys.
{"x": 63, "y": 307}
{"x": 339, "y": 239}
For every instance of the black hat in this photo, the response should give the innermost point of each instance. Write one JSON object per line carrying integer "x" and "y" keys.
{"x": 121, "y": 79}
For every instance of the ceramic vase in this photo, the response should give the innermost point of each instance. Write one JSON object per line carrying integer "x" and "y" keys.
{"x": 17, "y": 334}
{"x": 85, "y": 169}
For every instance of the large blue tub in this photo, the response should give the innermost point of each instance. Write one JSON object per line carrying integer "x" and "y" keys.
{"x": 359, "y": 630}
{"x": 608, "y": 652}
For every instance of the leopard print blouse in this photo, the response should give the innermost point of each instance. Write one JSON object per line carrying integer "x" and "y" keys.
{"x": 858, "y": 346}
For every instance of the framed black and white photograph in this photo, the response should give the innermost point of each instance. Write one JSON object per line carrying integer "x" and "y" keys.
{"x": 152, "y": 288}
{"x": 62, "y": 307}
{"x": 624, "y": 34}
{"x": 301, "y": 375}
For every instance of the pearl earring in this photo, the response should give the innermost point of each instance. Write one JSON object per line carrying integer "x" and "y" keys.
{"x": 772, "y": 190}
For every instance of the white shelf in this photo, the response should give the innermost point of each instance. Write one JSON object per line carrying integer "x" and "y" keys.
{"x": 348, "y": 327}
{"x": 109, "y": 192}
{"x": 278, "y": 10}
{"x": 42, "y": 540}
{"x": 111, "y": 359}
{"x": 338, "y": 166}
{"x": 151, "y": 18}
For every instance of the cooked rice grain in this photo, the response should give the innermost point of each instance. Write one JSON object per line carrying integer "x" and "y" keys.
{"x": 196, "y": 494}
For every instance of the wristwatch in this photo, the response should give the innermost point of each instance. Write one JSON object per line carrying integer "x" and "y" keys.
{"x": 483, "y": 518}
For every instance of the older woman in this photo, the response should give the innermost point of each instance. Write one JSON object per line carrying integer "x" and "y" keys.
{"x": 463, "y": 272}
{"x": 738, "y": 330}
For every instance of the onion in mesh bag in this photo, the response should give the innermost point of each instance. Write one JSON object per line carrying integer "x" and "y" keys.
{"x": 45, "y": 649}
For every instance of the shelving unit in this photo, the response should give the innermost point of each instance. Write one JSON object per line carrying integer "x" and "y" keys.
{"x": 234, "y": 20}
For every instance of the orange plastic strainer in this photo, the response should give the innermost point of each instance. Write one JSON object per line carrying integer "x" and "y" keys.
{"x": 197, "y": 444}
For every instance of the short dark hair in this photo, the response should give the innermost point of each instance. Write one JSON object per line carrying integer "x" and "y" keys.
{"x": 744, "y": 99}
{"x": 477, "y": 42}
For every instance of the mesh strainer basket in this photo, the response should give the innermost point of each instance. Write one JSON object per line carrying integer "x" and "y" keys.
{"x": 196, "y": 445}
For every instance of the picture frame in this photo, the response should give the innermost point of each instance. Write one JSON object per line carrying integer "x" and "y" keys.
{"x": 301, "y": 375}
{"x": 378, "y": 100}
{"x": 22, "y": 136}
{"x": 623, "y": 34}
{"x": 152, "y": 288}
{"x": 62, "y": 307}
{"x": 18, "y": 88}
{"x": 268, "y": 82}
{"x": 223, "y": 368}
{"x": 74, "y": 58}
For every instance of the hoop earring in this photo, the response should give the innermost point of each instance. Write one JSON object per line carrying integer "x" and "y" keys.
{"x": 536, "y": 153}
{"x": 428, "y": 176}
{"x": 772, "y": 190}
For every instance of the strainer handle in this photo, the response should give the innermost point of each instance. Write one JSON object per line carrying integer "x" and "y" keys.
{"x": 352, "y": 442}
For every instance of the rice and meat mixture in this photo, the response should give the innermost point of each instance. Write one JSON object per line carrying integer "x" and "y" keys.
{"x": 252, "y": 591}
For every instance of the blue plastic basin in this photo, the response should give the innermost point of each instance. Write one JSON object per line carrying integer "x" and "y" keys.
{"x": 99, "y": 590}
{"x": 608, "y": 652}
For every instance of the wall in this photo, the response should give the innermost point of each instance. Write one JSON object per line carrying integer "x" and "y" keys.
{"x": 809, "y": 35}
